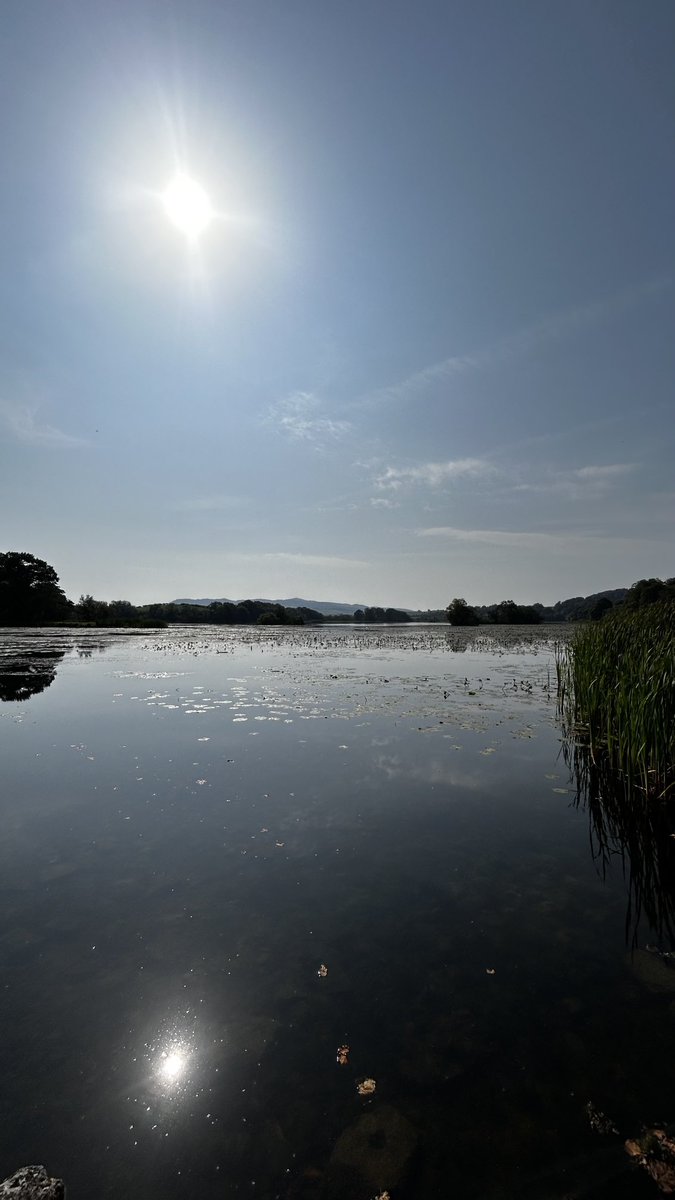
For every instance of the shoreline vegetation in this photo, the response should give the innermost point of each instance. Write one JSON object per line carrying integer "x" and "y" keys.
{"x": 30, "y": 596}
{"x": 616, "y": 698}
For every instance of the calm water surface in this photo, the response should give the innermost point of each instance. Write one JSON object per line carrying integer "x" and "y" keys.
{"x": 195, "y": 821}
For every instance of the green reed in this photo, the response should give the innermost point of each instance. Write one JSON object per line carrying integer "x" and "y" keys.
{"x": 616, "y": 693}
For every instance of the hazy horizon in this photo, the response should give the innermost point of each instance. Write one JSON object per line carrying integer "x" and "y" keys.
{"x": 309, "y": 601}
{"x": 414, "y": 338}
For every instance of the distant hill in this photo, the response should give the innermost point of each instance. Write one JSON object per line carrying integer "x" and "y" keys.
{"x": 574, "y": 609}
{"x": 326, "y": 607}
{"x": 206, "y": 600}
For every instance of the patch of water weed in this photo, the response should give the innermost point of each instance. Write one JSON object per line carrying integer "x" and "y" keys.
{"x": 305, "y": 674}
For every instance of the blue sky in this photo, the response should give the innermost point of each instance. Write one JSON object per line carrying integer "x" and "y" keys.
{"x": 424, "y": 349}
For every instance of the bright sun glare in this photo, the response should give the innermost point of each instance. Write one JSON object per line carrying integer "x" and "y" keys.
{"x": 171, "y": 1065}
{"x": 187, "y": 206}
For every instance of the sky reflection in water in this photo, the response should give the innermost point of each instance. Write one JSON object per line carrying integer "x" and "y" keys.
{"x": 191, "y": 827}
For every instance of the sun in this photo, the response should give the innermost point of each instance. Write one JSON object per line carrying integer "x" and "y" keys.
{"x": 187, "y": 206}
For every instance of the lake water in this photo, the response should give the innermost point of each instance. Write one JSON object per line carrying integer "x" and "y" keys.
{"x": 226, "y": 854}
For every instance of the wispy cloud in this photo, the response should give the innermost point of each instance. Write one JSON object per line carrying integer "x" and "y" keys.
{"x": 495, "y": 537}
{"x": 339, "y": 505}
{"x": 311, "y": 560}
{"x": 300, "y": 416}
{"x": 583, "y": 483}
{"x": 524, "y": 342}
{"x": 604, "y": 474}
{"x": 577, "y": 483}
{"x": 21, "y": 419}
{"x": 433, "y": 474}
{"x": 383, "y": 502}
{"x": 208, "y": 503}
{"x": 544, "y": 543}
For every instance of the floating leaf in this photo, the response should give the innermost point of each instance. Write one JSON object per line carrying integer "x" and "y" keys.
{"x": 322, "y": 971}
{"x": 366, "y": 1087}
{"x": 343, "y": 1055}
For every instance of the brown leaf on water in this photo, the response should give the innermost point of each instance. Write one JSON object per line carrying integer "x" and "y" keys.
{"x": 366, "y": 1087}
{"x": 322, "y": 971}
{"x": 490, "y": 971}
{"x": 654, "y": 1150}
{"x": 343, "y": 1055}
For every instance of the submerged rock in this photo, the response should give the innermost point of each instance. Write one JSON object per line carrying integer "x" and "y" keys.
{"x": 32, "y": 1183}
{"x": 373, "y": 1154}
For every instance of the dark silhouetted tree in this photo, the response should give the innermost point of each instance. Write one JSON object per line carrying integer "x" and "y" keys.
{"x": 649, "y": 591}
{"x": 29, "y": 591}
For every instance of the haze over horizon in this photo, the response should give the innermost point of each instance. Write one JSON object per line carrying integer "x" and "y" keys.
{"x": 369, "y": 301}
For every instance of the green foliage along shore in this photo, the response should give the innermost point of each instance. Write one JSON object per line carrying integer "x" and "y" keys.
{"x": 30, "y": 595}
{"x": 616, "y": 693}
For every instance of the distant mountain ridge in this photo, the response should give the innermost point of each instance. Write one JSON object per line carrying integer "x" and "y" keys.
{"x": 574, "y": 608}
{"x": 325, "y": 607}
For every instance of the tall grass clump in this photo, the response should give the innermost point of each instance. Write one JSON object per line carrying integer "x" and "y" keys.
{"x": 616, "y": 694}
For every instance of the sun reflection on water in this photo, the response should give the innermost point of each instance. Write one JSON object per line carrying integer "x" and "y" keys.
{"x": 172, "y": 1064}
{"x": 171, "y": 1067}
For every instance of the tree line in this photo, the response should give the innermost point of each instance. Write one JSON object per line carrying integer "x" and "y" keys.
{"x": 30, "y": 594}
{"x": 508, "y": 612}
{"x": 577, "y": 608}
{"x": 371, "y": 616}
{"x": 246, "y": 612}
